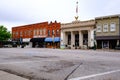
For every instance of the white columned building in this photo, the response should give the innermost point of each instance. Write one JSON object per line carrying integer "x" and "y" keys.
{"x": 78, "y": 34}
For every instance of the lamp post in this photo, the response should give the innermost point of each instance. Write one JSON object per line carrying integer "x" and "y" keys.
{"x": 21, "y": 42}
{"x": 94, "y": 40}
{"x": 53, "y": 39}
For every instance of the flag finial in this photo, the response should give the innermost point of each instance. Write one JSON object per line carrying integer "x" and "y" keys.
{"x": 76, "y": 17}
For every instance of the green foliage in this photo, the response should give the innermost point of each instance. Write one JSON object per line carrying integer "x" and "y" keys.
{"x": 4, "y": 34}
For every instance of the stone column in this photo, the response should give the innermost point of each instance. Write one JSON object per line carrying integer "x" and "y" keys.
{"x": 72, "y": 40}
{"x": 80, "y": 39}
{"x": 89, "y": 38}
{"x": 65, "y": 38}
{"x": 118, "y": 42}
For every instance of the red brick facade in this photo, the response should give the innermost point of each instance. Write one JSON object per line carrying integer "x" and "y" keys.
{"x": 29, "y": 31}
{"x": 37, "y": 30}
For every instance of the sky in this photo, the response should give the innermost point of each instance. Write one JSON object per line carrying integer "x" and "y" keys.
{"x": 22, "y": 12}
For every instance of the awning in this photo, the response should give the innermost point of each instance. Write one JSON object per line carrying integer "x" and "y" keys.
{"x": 50, "y": 39}
{"x": 57, "y": 39}
{"x": 37, "y": 40}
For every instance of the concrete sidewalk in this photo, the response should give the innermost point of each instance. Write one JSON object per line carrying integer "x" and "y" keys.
{"x": 8, "y": 76}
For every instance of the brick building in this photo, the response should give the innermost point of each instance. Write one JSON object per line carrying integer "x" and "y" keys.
{"x": 38, "y": 35}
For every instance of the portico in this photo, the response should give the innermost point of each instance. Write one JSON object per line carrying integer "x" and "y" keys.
{"x": 78, "y": 34}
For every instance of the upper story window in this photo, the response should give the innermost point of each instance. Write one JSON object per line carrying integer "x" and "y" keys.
{"x": 16, "y": 33}
{"x": 25, "y": 33}
{"x": 13, "y": 33}
{"x": 112, "y": 27}
{"x": 21, "y": 34}
{"x": 41, "y": 31}
{"x": 105, "y": 28}
{"x": 57, "y": 32}
{"x": 53, "y": 32}
{"x": 44, "y": 31}
{"x": 48, "y": 32}
{"x": 37, "y": 31}
{"x": 99, "y": 28}
{"x": 29, "y": 32}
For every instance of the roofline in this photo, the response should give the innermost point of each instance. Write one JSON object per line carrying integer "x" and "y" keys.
{"x": 30, "y": 24}
{"x": 109, "y": 16}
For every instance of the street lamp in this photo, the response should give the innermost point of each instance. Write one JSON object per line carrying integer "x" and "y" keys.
{"x": 53, "y": 39}
{"x": 94, "y": 40}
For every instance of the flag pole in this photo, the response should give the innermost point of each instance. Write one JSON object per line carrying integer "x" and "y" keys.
{"x": 76, "y": 17}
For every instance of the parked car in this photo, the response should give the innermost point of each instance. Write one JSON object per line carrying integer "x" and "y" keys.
{"x": 14, "y": 45}
{"x": 7, "y": 46}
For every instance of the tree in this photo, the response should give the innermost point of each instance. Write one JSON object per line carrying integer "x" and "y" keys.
{"x": 4, "y": 34}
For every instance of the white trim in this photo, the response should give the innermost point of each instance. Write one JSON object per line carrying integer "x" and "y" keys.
{"x": 94, "y": 75}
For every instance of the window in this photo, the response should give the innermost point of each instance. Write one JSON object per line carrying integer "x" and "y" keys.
{"x": 44, "y": 31}
{"x": 16, "y": 33}
{"x": 53, "y": 32}
{"x": 13, "y": 33}
{"x": 48, "y": 32}
{"x": 21, "y": 33}
{"x": 37, "y": 31}
{"x": 105, "y": 28}
{"x": 29, "y": 32}
{"x": 25, "y": 33}
{"x": 34, "y": 32}
{"x": 112, "y": 27}
{"x": 41, "y": 31}
{"x": 99, "y": 28}
{"x": 57, "y": 32}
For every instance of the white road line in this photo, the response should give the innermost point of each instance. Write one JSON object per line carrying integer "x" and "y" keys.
{"x": 18, "y": 62}
{"x": 94, "y": 75}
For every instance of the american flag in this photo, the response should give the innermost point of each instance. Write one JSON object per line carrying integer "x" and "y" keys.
{"x": 77, "y": 7}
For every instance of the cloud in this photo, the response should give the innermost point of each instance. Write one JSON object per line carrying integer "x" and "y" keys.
{"x": 33, "y": 11}
{"x": 112, "y": 7}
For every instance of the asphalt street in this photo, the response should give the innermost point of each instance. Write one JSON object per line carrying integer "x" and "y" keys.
{"x": 57, "y": 64}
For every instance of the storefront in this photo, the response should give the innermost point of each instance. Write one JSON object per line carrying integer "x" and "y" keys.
{"x": 107, "y": 42}
{"x": 38, "y": 42}
{"x": 52, "y": 42}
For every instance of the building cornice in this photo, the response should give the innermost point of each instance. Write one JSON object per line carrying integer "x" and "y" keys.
{"x": 77, "y": 23}
{"x": 109, "y": 16}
